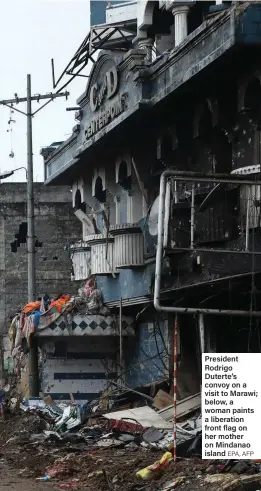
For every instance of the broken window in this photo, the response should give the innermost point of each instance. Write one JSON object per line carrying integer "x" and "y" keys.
{"x": 124, "y": 179}
{"x": 100, "y": 193}
{"x": 21, "y": 238}
{"x": 79, "y": 205}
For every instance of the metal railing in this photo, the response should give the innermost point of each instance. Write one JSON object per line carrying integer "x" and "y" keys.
{"x": 163, "y": 197}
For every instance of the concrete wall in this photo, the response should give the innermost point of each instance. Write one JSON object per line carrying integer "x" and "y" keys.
{"x": 55, "y": 228}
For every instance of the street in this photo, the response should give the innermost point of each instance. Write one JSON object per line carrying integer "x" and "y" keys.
{"x": 9, "y": 480}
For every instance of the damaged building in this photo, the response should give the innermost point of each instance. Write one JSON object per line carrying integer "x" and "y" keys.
{"x": 176, "y": 88}
{"x": 56, "y": 228}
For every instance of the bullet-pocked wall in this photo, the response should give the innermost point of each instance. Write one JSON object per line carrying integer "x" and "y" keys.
{"x": 56, "y": 227}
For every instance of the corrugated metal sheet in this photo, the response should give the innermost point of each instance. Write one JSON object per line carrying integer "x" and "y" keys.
{"x": 128, "y": 250}
{"x": 250, "y": 196}
{"x": 184, "y": 407}
{"x": 145, "y": 416}
{"x": 127, "y": 302}
{"x": 100, "y": 246}
{"x": 81, "y": 261}
{"x": 83, "y": 368}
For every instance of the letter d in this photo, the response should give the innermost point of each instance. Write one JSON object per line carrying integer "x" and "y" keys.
{"x": 112, "y": 82}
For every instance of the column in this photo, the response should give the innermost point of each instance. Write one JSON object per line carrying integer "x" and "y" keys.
{"x": 180, "y": 21}
{"x": 147, "y": 45}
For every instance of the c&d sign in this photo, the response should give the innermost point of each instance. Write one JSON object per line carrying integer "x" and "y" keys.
{"x": 104, "y": 99}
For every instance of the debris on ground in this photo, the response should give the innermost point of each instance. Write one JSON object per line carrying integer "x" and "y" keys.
{"x": 132, "y": 449}
{"x": 76, "y": 446}
{"x": 154, "y": 470}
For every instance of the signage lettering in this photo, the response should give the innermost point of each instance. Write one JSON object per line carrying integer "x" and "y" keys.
{"x": 105, "y": 102}
{"x": 114, "y": 109}
{"x": 106, "y": 91}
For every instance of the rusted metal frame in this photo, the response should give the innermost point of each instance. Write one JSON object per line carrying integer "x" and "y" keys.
{"x": 192, "y": 177}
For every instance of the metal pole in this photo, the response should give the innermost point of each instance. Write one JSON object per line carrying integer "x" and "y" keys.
{"x": 30, "y": 199}
{"x": 247, "y": 217}
{"x": 191, "y": 176}
{"x": 121, "y": 358}
{"x": 202, "y": 333}
{"x": 192, "y": 216}
{"x": 175, "y": 369}
{"x": 201, "y": 341}
{"x": 167, "y": 214}
{"x": 12, "y": 103}
{"x": 175, "y": 192}
{"x": 33, "y": 350}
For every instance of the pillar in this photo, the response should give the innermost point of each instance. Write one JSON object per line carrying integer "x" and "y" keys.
{"x": 147, "y": 45}
{"x": 33, "y": 368}
{"x": 181, "y": 24}
{"x": 202, "y": 333}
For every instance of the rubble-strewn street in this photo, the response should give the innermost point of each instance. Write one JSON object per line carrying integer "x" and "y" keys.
{"x": 130, "y": 300}
{"x": 30, "y": 461}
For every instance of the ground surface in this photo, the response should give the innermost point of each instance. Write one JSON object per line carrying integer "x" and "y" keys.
{"x": 78, "y": 467}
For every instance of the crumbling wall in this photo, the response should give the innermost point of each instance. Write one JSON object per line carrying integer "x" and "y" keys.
{"x": 56, "y": 228}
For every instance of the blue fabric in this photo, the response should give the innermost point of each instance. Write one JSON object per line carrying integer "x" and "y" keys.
{"x": 36, "y": 318}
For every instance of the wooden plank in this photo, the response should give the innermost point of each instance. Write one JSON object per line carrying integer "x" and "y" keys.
{"x": 145, "y": 416}
{"x": 184, "y": 407}
{"x": 162, "y": 400}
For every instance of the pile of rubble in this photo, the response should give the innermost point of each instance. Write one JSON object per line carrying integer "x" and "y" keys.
{"x": 74, "y": 448}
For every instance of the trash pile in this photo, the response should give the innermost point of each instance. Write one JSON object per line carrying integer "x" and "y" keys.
{"x": 34, "y": 316}
{"x": 89, "y": 299}
{"x": 39, "y": 315}
{"x": 74, "y": 447}
{"x": 140, "y": 427}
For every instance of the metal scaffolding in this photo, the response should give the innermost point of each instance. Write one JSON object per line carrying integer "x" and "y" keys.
{"x": 107, "y": 36}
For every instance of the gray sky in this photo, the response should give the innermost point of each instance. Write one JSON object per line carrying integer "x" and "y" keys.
{"x": 33, "y": 32}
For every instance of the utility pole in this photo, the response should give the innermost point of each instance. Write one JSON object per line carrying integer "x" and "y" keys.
{"x": 30, "y": 199}
{"x": 33, "y": 351}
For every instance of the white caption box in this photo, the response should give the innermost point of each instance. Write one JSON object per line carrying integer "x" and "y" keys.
{"x": 231, "y": 405}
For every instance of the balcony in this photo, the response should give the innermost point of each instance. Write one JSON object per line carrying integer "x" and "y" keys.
{"x": 102, "y": 254}
{"x": 81, "y": 261}
{"x": 128, "y": 246}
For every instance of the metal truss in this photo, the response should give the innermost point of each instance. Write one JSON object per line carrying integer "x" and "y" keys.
{"x": 104, "y": 36}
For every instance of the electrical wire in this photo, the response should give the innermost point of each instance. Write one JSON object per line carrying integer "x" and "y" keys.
{"x": 10, "y": 122}
{"x": 160, "y": 355}
{"x": 157, "y": 347}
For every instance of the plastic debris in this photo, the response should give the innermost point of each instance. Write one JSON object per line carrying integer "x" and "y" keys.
{"x": 153, "y": 470}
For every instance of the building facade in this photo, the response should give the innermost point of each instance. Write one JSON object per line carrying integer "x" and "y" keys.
{"x": 56, "y": 229}
{"x": 182, "y": 94}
